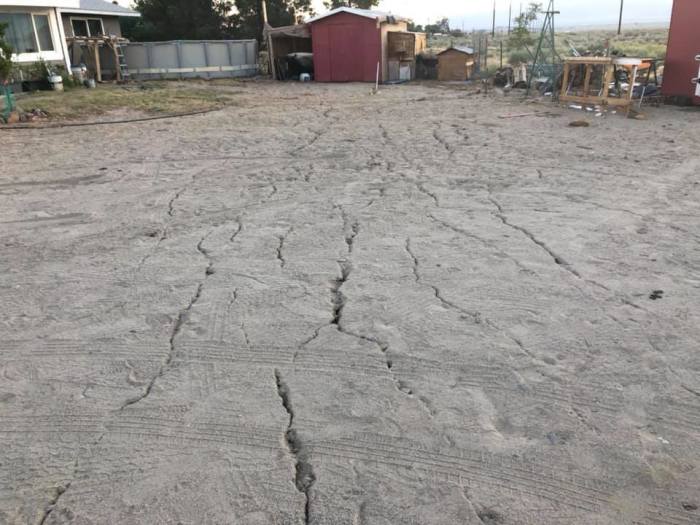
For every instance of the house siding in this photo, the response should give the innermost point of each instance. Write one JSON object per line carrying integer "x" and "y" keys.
{"x": 110, "y": 23}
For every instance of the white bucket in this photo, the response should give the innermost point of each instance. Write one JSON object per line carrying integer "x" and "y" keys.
{"x": 305, "y": 77}
{"x": 56, "y": 82}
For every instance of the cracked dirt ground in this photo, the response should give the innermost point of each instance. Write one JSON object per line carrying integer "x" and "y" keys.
{"x": 325, "y": 307}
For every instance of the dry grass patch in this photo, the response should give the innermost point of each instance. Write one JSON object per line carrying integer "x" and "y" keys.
{"x": 150, "y": 98}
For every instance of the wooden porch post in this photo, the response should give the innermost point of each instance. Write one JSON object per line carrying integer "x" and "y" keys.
{"x": 98, "y": 66}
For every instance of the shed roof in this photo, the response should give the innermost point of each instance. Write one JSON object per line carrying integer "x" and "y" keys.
{"x": 295, "y": 31}
{"x": 367, "y": 13}
{"x": 99, "y": 7}
{"x": 462, "y": 49}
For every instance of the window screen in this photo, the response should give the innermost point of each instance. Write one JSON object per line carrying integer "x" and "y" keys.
{"x": 43, "y": 32}
{"x": 19, "y": 32}
{"x": 80, "y": 27}
{"x": 95, "y": 26}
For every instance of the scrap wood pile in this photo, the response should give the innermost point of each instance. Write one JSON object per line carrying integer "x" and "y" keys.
{"x": 598, "y": 83}
{"x": 16, "y": 116}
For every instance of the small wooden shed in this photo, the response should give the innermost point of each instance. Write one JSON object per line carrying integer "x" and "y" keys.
{"x": 456, "y": 64}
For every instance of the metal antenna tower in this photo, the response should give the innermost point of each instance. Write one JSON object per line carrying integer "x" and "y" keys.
{"x": 546, "y": 61}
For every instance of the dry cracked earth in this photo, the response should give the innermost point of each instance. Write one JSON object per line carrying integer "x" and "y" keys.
{"x": 325, "y": 307}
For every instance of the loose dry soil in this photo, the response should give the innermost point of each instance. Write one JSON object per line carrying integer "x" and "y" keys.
{"x": 328, "y": 307}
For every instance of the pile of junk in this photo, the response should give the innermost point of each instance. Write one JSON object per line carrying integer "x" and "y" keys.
{"x": 296, "y": 66}
{"x": 290, "y": 52}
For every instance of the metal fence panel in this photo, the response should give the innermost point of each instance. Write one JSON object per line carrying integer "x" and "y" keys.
{"x": 217, "y": 53}
{"x": 188, "y": 59}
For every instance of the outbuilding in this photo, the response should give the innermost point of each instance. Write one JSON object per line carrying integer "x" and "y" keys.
{"x": 361, "y": 45}
{"x": 285, "y": 42}
{"x": 683, "y": 54}
{"x": 456, "y": 64}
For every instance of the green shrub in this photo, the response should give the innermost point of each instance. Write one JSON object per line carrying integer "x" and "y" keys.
{"x": 40, "y": 70}
{"x": 5, "y": 57}
{"x": 69, "y": 82}
{"x": 519, "y": 57}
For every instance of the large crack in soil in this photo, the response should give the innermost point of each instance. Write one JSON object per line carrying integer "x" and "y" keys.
{"x": 337, "y": 297}
{"x": 558, "y": 259}
{"x": 177, "y": 326}
{"x": 555, "y": 257}
{"x": 280, "y": 247}
{"x": 60, "y": 491}
{"x": 486, "y": 243}
{"x": 304, "y": 477}
{"x": 475, "y": 316}
{"x": 238, "y": 230}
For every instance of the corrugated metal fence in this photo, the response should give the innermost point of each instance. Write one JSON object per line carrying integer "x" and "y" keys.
{"x": 188, "y": 59}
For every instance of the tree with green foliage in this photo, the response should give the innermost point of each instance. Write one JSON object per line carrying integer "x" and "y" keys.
{"x": 247, "y": 22}
{"x": 521, "y": 37}
{"x": 5, "y": 57}
{"x": 441, "y": 26}
{"x": 416, "y": 28}
{"x": 362, "y": 4}
{"x": 179, "y": 20}
{"x": 519, "y": 57}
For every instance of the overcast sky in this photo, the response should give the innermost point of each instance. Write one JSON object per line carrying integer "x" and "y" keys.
{"x": 477, "y": 13}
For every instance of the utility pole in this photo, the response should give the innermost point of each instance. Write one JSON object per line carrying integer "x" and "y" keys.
{"x": 510, "y": 15}
{"x": 619, "y": 25}
{"x": 264, "y": 11}
{"x": 270, "y": 48}
{"x": 486, "y": 53}
{"x": 493, "y": 28}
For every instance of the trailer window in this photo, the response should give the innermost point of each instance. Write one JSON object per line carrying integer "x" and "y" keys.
{"x": 80, "y": 27}
{"x": 43, "y": 32}
{"x": 95, "y": 26}
{"x": 87, "y": 27}
{"x": 27, "y": 33}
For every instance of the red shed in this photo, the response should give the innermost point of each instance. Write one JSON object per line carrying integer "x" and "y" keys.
{"x": 348, "y": 43}
{"x": 683, "y": 48}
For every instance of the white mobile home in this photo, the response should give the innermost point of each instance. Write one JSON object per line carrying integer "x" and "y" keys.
{"x": 37, "y": 29}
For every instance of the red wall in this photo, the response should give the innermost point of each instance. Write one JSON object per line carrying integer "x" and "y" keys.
{"x": 683, "y": 46}
{"x": 346, "y": 48}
